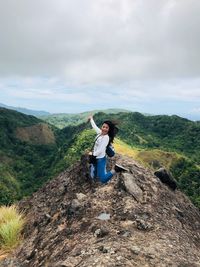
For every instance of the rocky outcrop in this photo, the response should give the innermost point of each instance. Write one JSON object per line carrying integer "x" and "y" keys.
{"x": 39, "y": 134}
{"x": 134, "y": 220}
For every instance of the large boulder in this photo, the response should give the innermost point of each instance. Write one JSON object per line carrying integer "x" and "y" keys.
{"x": 131, "y": 186}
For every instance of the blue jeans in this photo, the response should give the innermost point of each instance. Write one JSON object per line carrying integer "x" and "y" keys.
{"x": 100, "y": 171}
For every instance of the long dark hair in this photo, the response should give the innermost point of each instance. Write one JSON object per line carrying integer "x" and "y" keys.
{"x": 112, "y": 130}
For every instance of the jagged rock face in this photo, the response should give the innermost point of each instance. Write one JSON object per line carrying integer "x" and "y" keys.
{"x": 134, "y": 220}
{"x": 37, "y": 134}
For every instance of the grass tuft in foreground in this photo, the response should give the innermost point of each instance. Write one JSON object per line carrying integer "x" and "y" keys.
{"x": 11, "y": 225}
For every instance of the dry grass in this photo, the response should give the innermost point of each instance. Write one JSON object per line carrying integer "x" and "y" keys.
{"x": 156, "y": 158}
{"x": 153, "y": 158}
{"x": 124, "y": 149}
{"x": 11, "y": 225}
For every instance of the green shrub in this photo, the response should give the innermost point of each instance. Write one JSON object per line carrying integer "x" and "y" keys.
{"x": 83, "y": 142}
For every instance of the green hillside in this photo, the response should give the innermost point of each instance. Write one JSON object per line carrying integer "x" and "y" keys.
{"x": 183, "y": 168}
{"x": 26, "y": 111}
{"x": 65, "y": 119}
{"x": 186, "y": 172}
{"x": 168, "y": 134}
{"x": 171, "y": 133}
{"x": 32, "y": 152}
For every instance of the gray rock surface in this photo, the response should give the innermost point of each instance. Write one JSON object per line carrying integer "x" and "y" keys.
{"x": 132, "y": 187}
{"x": 150, "y": 225}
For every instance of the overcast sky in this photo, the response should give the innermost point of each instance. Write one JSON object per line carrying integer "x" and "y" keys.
{"x": 78, "y": 55}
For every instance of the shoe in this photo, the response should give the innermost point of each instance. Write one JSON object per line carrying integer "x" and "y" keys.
{"x": 119, "y": 168}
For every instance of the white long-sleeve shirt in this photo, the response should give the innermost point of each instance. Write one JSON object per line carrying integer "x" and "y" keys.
{"x": 101, "y": 141}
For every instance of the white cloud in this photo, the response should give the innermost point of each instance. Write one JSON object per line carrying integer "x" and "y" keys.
{"x": 100, "y": 41}
{"x": 129, "y": 51}
{"x": 130, "y": 92}
{"x": 195, "y": 110}
{"x": 49, "y": 94}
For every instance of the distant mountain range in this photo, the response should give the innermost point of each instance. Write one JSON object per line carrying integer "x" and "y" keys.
{"x": 26, "y": 111}
{"x": 64, "y": 119}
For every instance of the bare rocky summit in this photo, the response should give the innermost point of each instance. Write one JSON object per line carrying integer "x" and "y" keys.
{"x": 135, "y": 220}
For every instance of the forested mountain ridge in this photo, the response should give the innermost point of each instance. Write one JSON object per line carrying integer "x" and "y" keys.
{"x": 172, "y": 133}
{"x": 38, "y": 151}
{"x": 26, "y": 111}
{"x": 63, "y": 120}
{"x": 169, "y": 134}
{"x": 28, "y": 153}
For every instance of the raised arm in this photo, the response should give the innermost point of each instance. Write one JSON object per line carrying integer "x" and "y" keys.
{"x": 94, "y": 126}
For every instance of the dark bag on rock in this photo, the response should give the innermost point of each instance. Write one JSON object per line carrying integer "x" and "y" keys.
{"x": 92, "y": 159}
{"x": 110, "y": 151}
{"x": 166, "y": 178}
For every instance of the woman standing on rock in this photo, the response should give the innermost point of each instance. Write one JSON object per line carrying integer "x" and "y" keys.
{"x": 105, "y": 136}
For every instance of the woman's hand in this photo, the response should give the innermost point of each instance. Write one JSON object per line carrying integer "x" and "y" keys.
{"x": 90, "y": 117}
